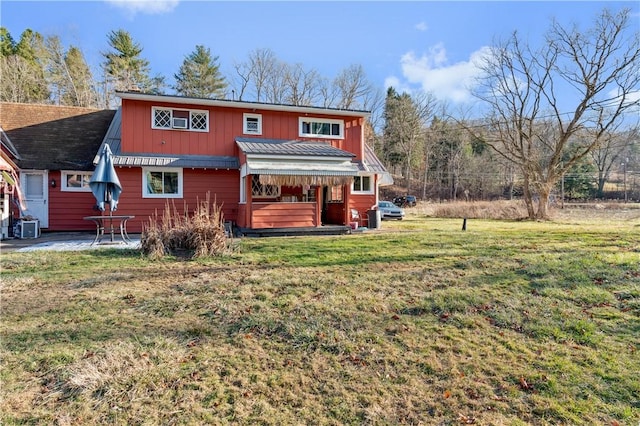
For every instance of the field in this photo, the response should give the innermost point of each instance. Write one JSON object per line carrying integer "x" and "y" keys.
{"x": 506, "y": 323}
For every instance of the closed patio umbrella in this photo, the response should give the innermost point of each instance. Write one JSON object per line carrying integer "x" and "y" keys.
{"x": 104, "y": 182}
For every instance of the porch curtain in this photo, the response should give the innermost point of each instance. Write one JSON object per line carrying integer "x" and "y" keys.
{"x": 288, "y": 173}
{"x": 285, "y": 180}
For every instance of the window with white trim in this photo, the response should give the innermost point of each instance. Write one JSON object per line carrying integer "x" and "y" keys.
{"x": 252, "y": 124}
{"x": 362, "y": 185}
{"x": 321, "y": 128}
{"x": 162, "y": 182}
{"x": 75, "y": 181}
{"x": 259, "y": 190}
{"x": 179, "y": 119}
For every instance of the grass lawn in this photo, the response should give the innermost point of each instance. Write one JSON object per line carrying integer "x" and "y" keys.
{"x": 507, "y": 323}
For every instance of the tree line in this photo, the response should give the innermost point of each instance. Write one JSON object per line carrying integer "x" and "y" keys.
{"x": 525, "y": 142}
{"x": 39, "y": 69}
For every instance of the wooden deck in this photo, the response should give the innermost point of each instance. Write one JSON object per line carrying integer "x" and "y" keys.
{"x": 291, "y": 232}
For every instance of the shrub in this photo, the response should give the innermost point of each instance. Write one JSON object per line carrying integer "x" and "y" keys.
{"x": 200, "y": 234}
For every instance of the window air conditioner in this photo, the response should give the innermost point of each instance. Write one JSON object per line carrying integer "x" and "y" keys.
{"x": 28, "y": 229}
{"x": 179, "y": 123}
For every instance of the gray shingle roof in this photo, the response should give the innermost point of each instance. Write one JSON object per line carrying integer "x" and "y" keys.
{"x": 289, "y": 148}
{"x": 52, "y": 137}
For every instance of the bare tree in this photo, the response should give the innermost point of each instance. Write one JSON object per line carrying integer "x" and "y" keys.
{"x": 302, "y": 85}
{"x": 352, "y": 87}
{"x": 406, "y": 118}
{"x": 255, "y": 72}
{"x": 613, "y": 151}
{"x": 527, "y": 92}
{"x": 18, "y": 81}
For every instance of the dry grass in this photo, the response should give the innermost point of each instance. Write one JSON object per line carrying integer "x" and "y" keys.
{"x": 510, "y": 322}
{"x": 200, "y": 234}
{"x": 515, "y": 210}
{"x": 480, "y": 210}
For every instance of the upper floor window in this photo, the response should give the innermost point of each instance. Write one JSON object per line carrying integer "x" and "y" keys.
{"x": 162, "y": 183}
{"x": 75, "y": 181}
{"x": 181, "y": 119}
{"x": 321, "y": 128}
{"x": 362, "y": 185}
{"x": 252, "y": 124}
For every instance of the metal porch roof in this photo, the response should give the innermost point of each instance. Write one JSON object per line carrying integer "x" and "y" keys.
{"x": 285, "y": 147}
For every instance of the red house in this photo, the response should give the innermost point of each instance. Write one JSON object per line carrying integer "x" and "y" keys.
{"x": 271, "y": 167}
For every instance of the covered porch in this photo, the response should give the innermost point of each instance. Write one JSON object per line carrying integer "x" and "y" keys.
{"x": 293, "y": 186}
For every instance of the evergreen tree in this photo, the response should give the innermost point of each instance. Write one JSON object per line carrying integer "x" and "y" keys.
{"x": 81, "y": 81}
{"x": 127, "y": 69}
{"x": 7, "y": 44}
{"x": 199, "y": 75}
{"x": 23, "y": 77}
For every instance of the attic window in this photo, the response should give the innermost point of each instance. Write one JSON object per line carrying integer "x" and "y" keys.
{"x": 179, "y": 119}
{"x": 252, "y": 124}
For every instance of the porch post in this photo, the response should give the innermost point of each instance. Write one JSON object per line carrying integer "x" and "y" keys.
{"x": 248, "y": 184}
{"x": 346, "y": 210}
{"x": 319, "y": 202}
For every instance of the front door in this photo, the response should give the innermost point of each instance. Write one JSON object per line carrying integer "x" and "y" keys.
{"x": 36, "y": 194}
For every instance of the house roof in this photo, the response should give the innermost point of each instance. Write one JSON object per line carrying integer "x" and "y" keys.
{"x": 53, "y": 137}
{"x": 280, "y": 147}
{"x": 140, "y": 159}
{"x": 241, "y": 104}
{"x": 7, "y": 145}
{"x": 372, "y": 162}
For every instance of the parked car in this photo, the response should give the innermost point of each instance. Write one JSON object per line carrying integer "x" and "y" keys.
{"x": 388, "y": 210}
{"x": 405, "y": 201}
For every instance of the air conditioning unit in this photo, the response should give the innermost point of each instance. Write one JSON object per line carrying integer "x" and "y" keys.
{"x": 27, "y": 229}
{"x": 180, "y": 123}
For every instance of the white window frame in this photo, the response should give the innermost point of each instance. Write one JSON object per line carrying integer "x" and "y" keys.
{"x": 147, "y": 194}
{"x": 189, "y": 119}
{"x": 368, "y": 191}
{"x": 245, "y": 128}
{"x": 86, "y": 176}
{"x": 303, "y": 120}
{"x": 243, "y": 190}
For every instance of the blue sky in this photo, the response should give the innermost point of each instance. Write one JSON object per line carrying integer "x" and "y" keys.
{"x": 410, "y": 45}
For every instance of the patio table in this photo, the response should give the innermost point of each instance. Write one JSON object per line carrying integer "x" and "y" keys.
{"x": 103, "y": 222}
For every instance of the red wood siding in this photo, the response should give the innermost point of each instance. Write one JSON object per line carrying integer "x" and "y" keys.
{"x": 283, "y": 215}
{"x": 67, "y": 209}
{"x": 225, "y": 124}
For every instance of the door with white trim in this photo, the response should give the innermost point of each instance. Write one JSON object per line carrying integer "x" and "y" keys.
{"x": 36, "y": 194}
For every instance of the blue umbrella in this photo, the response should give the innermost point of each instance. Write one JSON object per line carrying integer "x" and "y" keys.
{"x": 104, "y": 182}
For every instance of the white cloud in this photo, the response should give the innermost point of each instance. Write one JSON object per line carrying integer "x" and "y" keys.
{"x": 399, "y": 86}
{"x": 434, "y": 74}
{"x": 150, "y": 7}
{"x": 422, "y": 26}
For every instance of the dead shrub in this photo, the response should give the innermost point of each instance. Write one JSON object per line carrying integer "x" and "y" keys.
{"x": 482, "y": 210}
{"x": 200, "y": 234}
